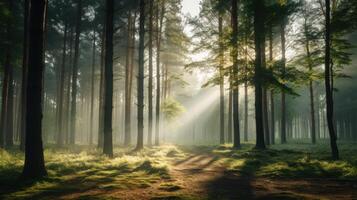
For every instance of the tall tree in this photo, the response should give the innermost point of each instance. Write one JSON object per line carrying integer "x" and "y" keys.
{"x": 92, "y": 88}
{"x": 283, "y": 95}
{"x": 61, "y": 88}
{"x": 159, "y": 26}
{"x": 75, "y": 73}
{"x": 272, "y": 101}
{"x": 128, "y": 67}
{"x": 101, "y": 91}
{"x": 140, "y": 82}
{"x": 328, "y": 87}
{"x": 24, "y": 77}
{"x": 108, "y": 86}
{"x": 150, "y": 94}
{"x": 235, "y": 93}
{"x": 221, "y": 78}
{"x": 34, "y": 166}
{"x": 6, "y": 122}
{"x": 259, "y": 38}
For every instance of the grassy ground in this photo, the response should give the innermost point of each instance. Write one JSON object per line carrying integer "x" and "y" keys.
{"x": 171, "y": 172}
{"x": 292, "y": 161}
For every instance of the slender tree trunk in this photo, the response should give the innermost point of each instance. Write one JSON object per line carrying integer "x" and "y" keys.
{"x": 150, "y": 95}
{"x": 101, "y": 93}
{"x": 159, "y": 24}
{"x": 24, "y": 76}
{"x": 283, "y": 98}
{"x": 258, "y": 40}
{"x": 75, "y": 74}
{"x": 236, "y": 142}
{"x": 10, "y": 109}
{"x": 127, "y": 114}
{"x": 246, "y": 92}
{"x": 68, "y": 89}
{"x": 108, "y": 73}
{"x": 140, "y": 82}
{"x": 34, "y": 160}
{"x": 328, "y": 78}
{"x": 7, "y": 90}
{"x": 265, "y": 99}
{"x": 272, "y": 104}
{"x": 230, "y": 114}
{"x": 312, "y": 106}
{"x": 92, "y": 90}
{"x": 4, "y": 96}
{"x": 221, "y": 74}
{"x": 61, "y": 89}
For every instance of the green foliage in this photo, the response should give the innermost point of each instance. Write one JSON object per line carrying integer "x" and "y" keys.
{"x": 80, "y": 172}
{"x": 172, "y": 109}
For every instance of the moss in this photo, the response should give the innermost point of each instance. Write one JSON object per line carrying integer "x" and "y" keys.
{"x": 169, "y": 187}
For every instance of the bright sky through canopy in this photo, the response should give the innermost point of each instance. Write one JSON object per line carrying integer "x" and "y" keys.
{"x": 191, "y": 7}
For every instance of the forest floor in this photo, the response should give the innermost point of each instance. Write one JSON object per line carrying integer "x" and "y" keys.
{"x": 299, "y": 171}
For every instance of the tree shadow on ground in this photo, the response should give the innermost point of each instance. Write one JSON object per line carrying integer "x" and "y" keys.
{"x": 98, "y": 182}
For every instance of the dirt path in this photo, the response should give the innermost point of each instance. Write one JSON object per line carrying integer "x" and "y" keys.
{"x": 201, "y": 176}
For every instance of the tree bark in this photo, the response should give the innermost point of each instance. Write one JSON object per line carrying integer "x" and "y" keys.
{"x": 108, "y": 86}
{"x": 75, "y": 74}
{"x": 236, "y": 138}
{"x": 221, "y": 78}
{"x": 92, "y": 89}
{"x": 140, "y": 82}
{"x": 61, "y": 89}
{"x": 328, "y": 79}
{"x": 159, "y": 24}
{"x": 258, "y": 40}
{"x": 272, "y": 104}
{"x": 283, "y": 97}
{"x": 230, "y": 114}
{"x": 34, "y": 160}
{"x": 150, "y": 87}
{"x": 24, "y": 77}
{"x": 101, "y": 93}
{"x": 128, "y": 65}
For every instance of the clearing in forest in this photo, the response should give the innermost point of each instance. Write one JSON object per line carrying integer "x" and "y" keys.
{"x": 176, "y": 172}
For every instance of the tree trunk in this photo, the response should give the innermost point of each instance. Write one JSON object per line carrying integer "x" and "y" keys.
{"x": 236, "y": 139}
{"x": 101, "y": 93}
{"x": 24, "y": 77}
{"x": 159, "y": 24}
{"x": 230, "y": 105}
{"x": 108, "y": 73}
{"x": 127, "y": 114}
{"x": 92, "y": 90}
{"x": 140, "y": 92}
{"x": 34, "y": 160}
{"x": 246, "y": 91}
{"x": 75, "y": 74}
{"x": 221, "y": 76}
{"x": 311, "y": 89}
{"x": 258, "y": 40}
{"x": 328, "y": 78}
{"x": 150, "y": 87}
{"x": 265, "y": 99}
{"x": 272, "y": 106}
{"x": 61, "y": 89}
{"x": 283, "y": 98}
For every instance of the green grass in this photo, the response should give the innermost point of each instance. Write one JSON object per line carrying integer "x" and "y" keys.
{"x": 291, "y": 161}
{"x": 83, "y": 171}
{"x": 76, "y": 170}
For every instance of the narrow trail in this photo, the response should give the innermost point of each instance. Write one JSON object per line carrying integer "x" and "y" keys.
{"x": 202, "y": 176}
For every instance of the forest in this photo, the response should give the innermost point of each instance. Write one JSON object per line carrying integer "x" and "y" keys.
{"x": 178, "y": 99}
